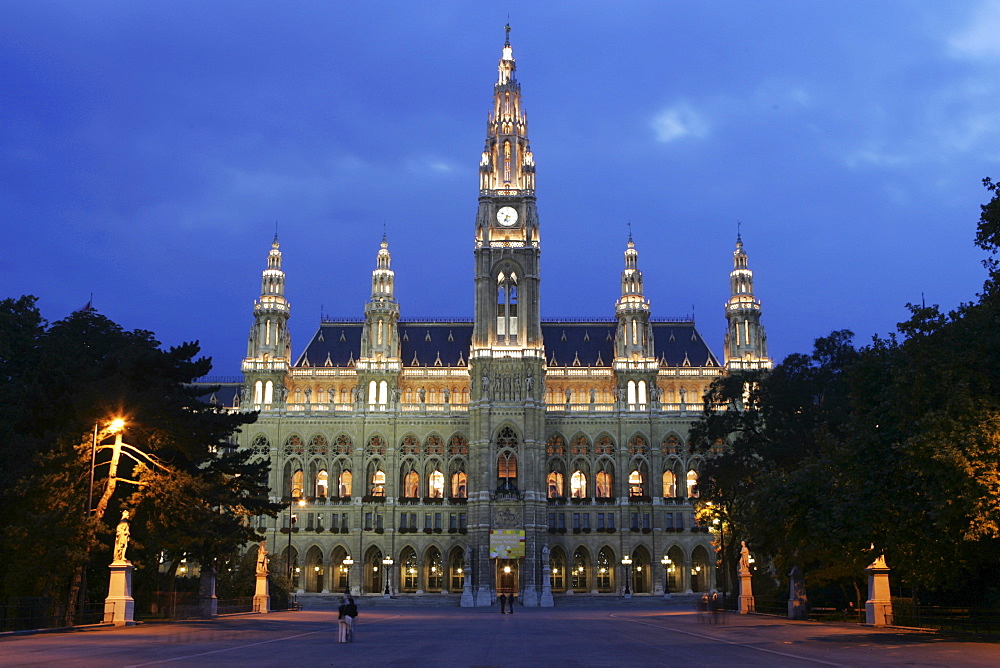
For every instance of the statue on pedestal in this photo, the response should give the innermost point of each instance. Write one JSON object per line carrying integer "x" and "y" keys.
{"x": 262, "y": 559}
{"x": 744, "y": 557}
{"x": 121, "y": 537}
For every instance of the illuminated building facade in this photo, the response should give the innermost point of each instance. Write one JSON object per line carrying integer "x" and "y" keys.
{"x": 444, "y": 444}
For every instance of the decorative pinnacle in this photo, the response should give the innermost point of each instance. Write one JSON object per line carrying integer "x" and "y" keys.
{"x": 507, "y": 29}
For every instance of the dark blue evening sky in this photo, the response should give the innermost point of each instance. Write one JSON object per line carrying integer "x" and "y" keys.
{"x": 147, "y": 149}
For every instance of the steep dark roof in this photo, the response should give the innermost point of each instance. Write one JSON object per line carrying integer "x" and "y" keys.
{"x": 567, "y": 343}
{"x": 227, "y": 394}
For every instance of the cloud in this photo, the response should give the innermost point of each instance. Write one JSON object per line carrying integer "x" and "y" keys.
{"x": 677, "y": 122}
{"x": 979, "y": 38}
{"x": 425, "y": 164}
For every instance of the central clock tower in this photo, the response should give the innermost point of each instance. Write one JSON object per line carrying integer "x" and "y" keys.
{"x": 507, "y": 245}
{"x": 507, "y": 358}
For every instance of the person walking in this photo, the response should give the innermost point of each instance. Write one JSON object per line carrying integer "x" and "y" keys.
{"x": 342, "y": 621}
{"x": 352, "y": 613}
{"x": 715, "y": 605}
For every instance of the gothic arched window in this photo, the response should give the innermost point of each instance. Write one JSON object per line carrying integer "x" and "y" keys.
{"x": 554, "y": 484}
{"x": 507, "y": 308}
{"x": 411, "y": 484}
{"x": 378, "y": 483}
{"x": 605, "y": 570}
{"x": 669, "y": 484}
{"x": 604, "y": 480}
{"x": 459, "y": 485}
{"x": 506, "y": 162}
{"x": 322, "y": 483}
{"x": 578, "y": 485}
{"x": 692, "y": 483}
{"x": 435, "y": 484}
{"x": 635, "y": 483}
{"x": 269, "y": 392}
{"x": 507, "y": 468}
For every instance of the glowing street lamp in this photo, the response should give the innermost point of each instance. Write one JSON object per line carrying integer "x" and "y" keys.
{"x": 291, "y": 526}
{"x": 387, "y": 562}
{"x": 668, "y": 568}
{"x": 348, "y": 562}
{"x": 114, "y": 427}
{"x": 627, "y": 563}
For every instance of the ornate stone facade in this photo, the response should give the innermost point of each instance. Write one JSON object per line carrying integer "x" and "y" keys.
{"x": 423, "y": 441}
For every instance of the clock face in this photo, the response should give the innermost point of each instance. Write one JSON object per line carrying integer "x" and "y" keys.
{"x": 507, "y": 216}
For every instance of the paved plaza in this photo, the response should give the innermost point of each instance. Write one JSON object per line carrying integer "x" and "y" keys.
{"x": 589, "y": 634}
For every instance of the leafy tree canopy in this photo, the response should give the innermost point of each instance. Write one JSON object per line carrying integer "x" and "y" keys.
{"x": 191, "y": 494}
{"x": 892, "y": 448}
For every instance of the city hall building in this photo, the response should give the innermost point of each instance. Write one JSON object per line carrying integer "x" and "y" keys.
{"x": 503, "y": 454}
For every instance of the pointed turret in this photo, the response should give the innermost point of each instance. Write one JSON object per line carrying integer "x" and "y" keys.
{"x": 379, "y": 365}
{"x": 269, "y": 347}
{"x": 746, "y": 342}
{"x": 507, "y": 163}
{"x": 635, "y": 360}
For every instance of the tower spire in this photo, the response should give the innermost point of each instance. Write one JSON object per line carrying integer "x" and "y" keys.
{"x": 379, "y": 366}
{"x": 746, "y": 341}
{"x": 507, "y": 163}
{"x": 269, "y": 348}
{"x": 507, "y": 332}
{"x": 635, "y": 362}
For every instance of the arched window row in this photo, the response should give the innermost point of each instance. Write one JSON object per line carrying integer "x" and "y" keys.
{"x": 440, "y": 569}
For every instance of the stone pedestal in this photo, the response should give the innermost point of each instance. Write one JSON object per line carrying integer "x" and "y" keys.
{"x": 484, "y": 597}
{"x": 119, "y": 606}
{"x": 468, "y": 601}
{"x": 529, "y": 597}
{"x": 878, "y": 607}
{"x": 208, "y": 603}
{"x": 746, "y": 601}
{"x": 546, "y": 599}
{"x": 262, "y": 595}
{"x": 798, "y": 603}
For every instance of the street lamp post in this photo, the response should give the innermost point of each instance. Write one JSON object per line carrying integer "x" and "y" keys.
{"x": 720, "y": 527}
{"x": 348, "y": 562}
{"x": 291, "y": 527}
{"x": 627, "y": 563}
{"x": 115, "y": 428}
{"x": 387, "y": 567}
{"x": 667, "y": 570}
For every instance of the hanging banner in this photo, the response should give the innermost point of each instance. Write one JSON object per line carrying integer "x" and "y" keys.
{"x": 507, "y": 544}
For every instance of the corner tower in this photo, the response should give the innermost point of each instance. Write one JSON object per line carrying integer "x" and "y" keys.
{"x": 746, "y": 342}
{"x": 635, "y": 362}
{"x": 269, "y": 348}
{"x": 379, "y": 367}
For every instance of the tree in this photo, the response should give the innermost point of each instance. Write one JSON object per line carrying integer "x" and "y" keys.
{"x": 191, "y": 495}
{"x": 837, "y": 457}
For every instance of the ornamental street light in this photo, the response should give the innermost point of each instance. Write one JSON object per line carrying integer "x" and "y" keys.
{"x": 721, "y": 528}
{"x": 668, "y": 568}
{"x": 387, "y": 563}
{"x": 348, "y": 562}
{"x": 627, "y": 563}
{"x": 291, "y": 527}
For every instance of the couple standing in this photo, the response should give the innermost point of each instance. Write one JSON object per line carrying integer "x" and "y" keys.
{"x": 345, "y": 618}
